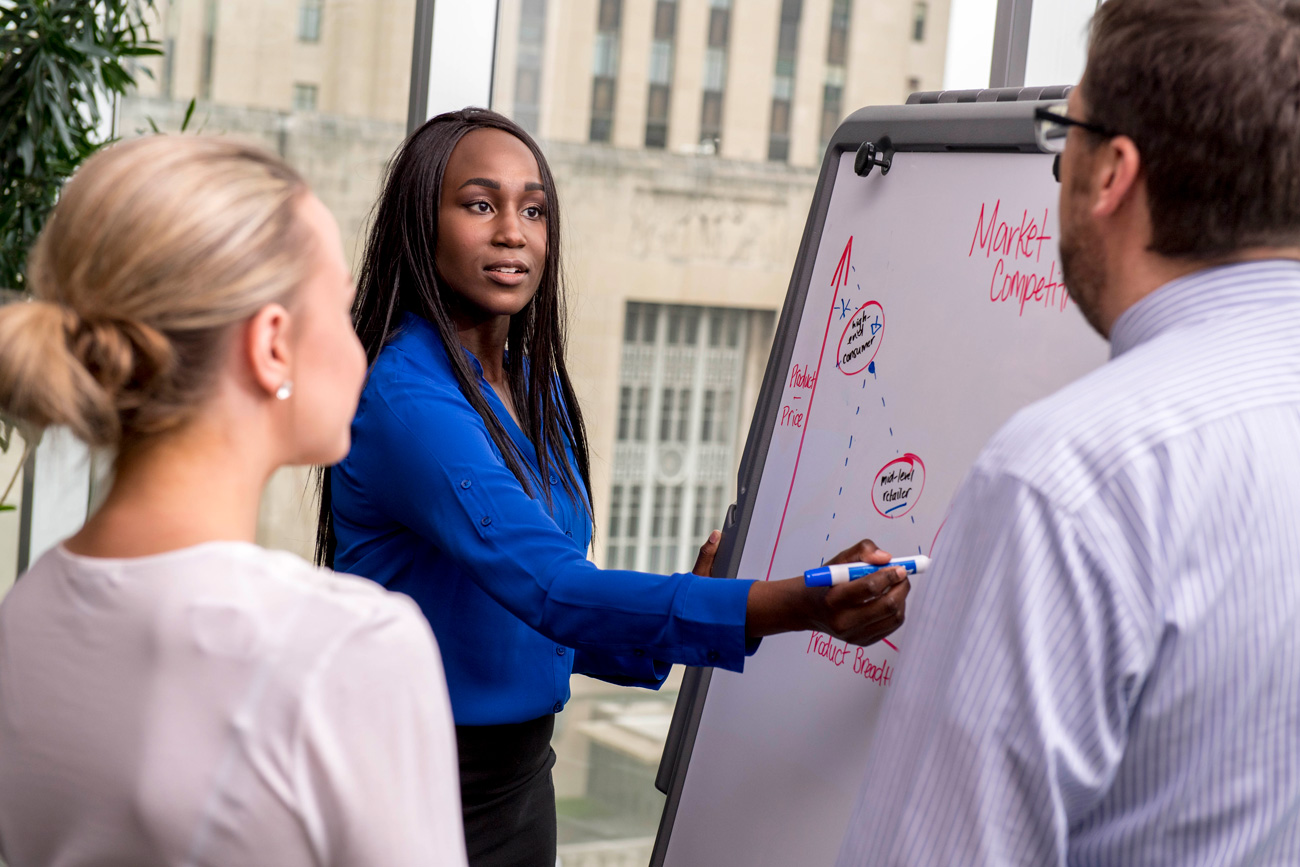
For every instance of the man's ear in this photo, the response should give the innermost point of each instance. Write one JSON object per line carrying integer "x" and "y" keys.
{"x": 1118, "y": 168}
{"x": 266, "y": 342}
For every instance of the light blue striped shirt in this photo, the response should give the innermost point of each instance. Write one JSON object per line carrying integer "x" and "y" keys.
{"x": 1103, "y": 668}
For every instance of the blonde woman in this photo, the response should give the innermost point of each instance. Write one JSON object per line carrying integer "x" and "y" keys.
{"x": 169, "y": 692}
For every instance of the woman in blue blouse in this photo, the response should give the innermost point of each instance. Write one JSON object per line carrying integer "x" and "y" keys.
{"x": 468, "y": 486}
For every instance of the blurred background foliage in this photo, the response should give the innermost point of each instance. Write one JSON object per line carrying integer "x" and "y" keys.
{"x": 62, "y": 62}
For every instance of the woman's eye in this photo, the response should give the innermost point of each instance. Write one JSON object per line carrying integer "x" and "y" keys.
{"x": 479, "y": 207}
{"x": 534, "y": 213}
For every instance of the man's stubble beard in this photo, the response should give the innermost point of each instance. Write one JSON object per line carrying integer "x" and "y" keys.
{"x": 1082, "y": 262}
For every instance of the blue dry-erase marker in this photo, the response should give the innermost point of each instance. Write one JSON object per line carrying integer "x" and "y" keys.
{"x": 840, "y": 573}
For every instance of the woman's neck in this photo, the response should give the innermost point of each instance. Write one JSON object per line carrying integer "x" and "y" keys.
{"x": 202, "y": 484}
{"x": 485, "y": 338}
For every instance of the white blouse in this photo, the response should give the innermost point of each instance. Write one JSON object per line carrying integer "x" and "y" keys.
{"x": 221, "y": 705}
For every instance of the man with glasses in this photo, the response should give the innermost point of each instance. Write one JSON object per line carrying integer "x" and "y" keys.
{"x": 1103, "y": 667}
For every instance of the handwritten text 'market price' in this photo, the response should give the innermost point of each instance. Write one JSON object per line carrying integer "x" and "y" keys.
{"x": 1025, "y": 284}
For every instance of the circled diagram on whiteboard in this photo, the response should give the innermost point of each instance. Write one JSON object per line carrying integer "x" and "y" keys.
{"x": 861, "y": 339}
{"x": 898, "y": 486}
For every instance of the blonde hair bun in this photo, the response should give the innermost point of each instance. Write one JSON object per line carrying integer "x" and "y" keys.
{"x": 157, "y": 247}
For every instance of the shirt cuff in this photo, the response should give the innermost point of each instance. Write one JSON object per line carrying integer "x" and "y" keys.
{"x": 637, "y": 668}
{"x": 711, "y": 621}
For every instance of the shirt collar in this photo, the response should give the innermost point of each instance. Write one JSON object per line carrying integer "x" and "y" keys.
{"x": 427, "y": 334}
{"x": 1204, "y": 295}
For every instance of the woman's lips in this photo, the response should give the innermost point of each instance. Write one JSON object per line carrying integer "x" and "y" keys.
{"x": 507, "y": 274}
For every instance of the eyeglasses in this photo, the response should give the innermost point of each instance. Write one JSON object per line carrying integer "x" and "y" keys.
{"x": 1052, "y": 125}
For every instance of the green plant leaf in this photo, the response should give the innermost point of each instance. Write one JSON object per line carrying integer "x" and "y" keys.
{"x": 5, "y": 508}
{"x": 189, "y": 113}
{"x": 57, "y": 58}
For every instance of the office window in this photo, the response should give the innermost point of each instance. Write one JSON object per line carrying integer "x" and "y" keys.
{"x": 528, "y": 68}
{"x": 624, "y": 412}
{"x": 787, "y": 44}
{"x": 672, "y": 243}
{"x": 666, "y": 416}
{"x": 715, "y": 75}
{"x": 684, "y": 368}
{"x": 208, "y": 57}
{"x": 615, "y": 524}
{"x": 724, "y": 416}
{"x": 304, "y": 97}
{"x": 832, "y": 103}
{"x": 913, "y": 85}
{"x": 837, "y": 45}
{"x": 309, "y": 16}
{"x": 642, "y": 412}
{"x": 920, "y": 11}
{"x": 632, "y": 528}
{"x": 661, "y": 74}
{"x": 604, "y": 70}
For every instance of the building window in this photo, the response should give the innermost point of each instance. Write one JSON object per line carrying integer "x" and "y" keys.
{"x": 787, "y": 45}
{"x": 666, "y": 416}
{"x": 913, "y": 85}
{"x": 304, "y": 97}
{"x": 615, "y": 514}
{"x": 604, "y": 70}
{"x": 681, "y": 379}
{"x": 836, "y": 58}
{"x": 715, "y": 75}
{"x": 661, "y": 74}
{"x": 624, "y": 413}
{"x": 309, "y": 16}
{"x": 209, "y": 49}
{"x": 920, "y": 11}
{"x": 528, "y": 66}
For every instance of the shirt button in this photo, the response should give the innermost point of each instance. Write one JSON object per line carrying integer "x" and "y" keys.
{"x": 569, "y": 533}
{"x": 559, "y": 651}
{"x": 554, "y": 479}
{"x": 485, "y": 520}
{"x": 638, "y": 652}
{"x": 713, "y": 656}
{"x": 559, "y": 706}
{"x": 464, "y": 483}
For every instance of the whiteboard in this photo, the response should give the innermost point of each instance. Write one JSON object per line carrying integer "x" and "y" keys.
{"x": 932, "y": 311}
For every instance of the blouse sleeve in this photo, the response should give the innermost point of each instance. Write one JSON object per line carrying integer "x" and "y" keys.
{"x": 431, "y": 466}
{"x": 376, "y": 754}
{"x": 624, "y": 669}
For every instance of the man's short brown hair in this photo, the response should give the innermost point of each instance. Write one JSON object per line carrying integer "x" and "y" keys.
{"x": 1209, "y": 90}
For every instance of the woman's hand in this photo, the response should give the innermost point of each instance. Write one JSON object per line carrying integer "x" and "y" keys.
{"x": 709, "y": 550}
{"x": 862, "y": 611}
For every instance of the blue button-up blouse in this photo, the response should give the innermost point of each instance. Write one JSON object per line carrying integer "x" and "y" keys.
{"x": 425, "y": 505}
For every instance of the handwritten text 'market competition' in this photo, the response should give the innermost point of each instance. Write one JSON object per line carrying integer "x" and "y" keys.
{"x": 1024, "y": 283}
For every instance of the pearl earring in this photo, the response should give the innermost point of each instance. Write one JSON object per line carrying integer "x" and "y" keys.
{"x": 285, "y": 390}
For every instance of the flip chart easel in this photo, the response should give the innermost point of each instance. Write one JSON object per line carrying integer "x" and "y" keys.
{"x": 926, "y": 307}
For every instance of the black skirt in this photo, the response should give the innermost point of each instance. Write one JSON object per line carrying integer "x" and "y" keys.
{"x": 507, "y": 795}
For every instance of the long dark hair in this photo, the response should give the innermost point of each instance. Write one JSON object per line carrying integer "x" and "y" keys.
{"x": 399, "y": 274}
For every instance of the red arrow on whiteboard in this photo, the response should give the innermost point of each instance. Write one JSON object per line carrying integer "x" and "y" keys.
{"x": 841, "y": 278}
